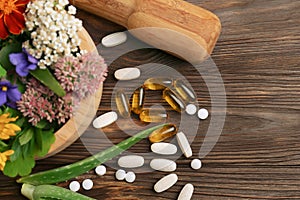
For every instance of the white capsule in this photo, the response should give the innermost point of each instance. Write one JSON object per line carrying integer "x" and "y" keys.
{"x": 131, "y": 161}
{"x": 203, "y": 113}
{"x": 87, "y": 184}
{"x": 127, "y": 74}
{"x": 120, "y": 174}
{"x": 186, "y": 193}
{"x": 130, "y": 177}
{"x": 164, "y": 148}
{"x": 196, "y": 164}
{"x": 74, "y": 186}
{"x": 164, "y": 165}
{"x": 184, "y": 144}
{"x": 114, "y": 39}
{"x": 165, "y": 183}
{"x": 191, "y": 109}
{"x": 100, "y": 170}
{"x": 105, "y": 119}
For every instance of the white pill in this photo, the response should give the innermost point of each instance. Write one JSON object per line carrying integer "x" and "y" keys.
{"x": 74, "y": 186}
{"x": 131, "y": 161}
{"x": 164, "y": 148}
{"x": 120, "y": 174}
{"x": 100, "y": 170}
{"x": 114, "y": 39}
{"x": 165, "y": 183}
{"x": 196, "y": 164}
{"x": 105, "y": 119}
{"x": 130, "y": 177}
{"x": 191, "y": 109}
{"x": 164, "y": 165}
{"x": 127, "y": 74}
{"x": 87, "y": 184}
{"x": 203, "y": 113}
{"x": 184, "y": 144}
{"x": 186, "y": 193}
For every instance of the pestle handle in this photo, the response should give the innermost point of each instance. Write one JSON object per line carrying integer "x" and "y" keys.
{"x": 191, "y": 21}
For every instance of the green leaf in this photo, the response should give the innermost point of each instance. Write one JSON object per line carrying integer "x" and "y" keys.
{"x": 46, "y": 78}
{"x": 44, "y": 139}
{"x": 14, "y": 47}
{"x": 3, "y": 146}
{"x": 21, "y": 166}
{"x": 2, "y": 71}
{"x": 26, "y": 136}
{"x": 42, "y": 124}
{"x": 17, "y": 150}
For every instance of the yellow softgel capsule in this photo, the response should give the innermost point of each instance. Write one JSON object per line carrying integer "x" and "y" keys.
{"x": 163, "y": 133}
{"x": 174, "y": 100}
{"x": 153, "y": 115}
{"x": 122, "y": 103}
{"x": 185, "y": 92}
{"x": 138, "y": 98}
{"x": 159, "y": 83}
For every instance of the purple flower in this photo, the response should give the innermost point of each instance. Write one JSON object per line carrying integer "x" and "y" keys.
{"x": 9, "y": 94}
{"x": 23, "y": 62}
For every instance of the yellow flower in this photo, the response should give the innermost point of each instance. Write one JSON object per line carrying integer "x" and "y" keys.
{"x": 6, "y": 129}
{"x": 4, "y": 157}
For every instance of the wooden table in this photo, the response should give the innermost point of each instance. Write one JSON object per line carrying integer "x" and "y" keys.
{"x": 258, "y": 153}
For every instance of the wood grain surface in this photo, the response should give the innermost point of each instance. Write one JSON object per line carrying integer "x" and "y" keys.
{"x": 258, "y": 153}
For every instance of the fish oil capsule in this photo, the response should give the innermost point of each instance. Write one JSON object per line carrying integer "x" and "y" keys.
{"x": 122, "y": 104}
{"x": 186, "y": 93}
{"x": 153, "y": 115}
{"x": 138, "y": 98}
{"x": 158, "y": 83}
{"x": 163, "y": 133}
{"x": 173, "y": 100}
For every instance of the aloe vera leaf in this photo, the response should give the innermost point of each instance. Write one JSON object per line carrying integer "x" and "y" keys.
{"x": 43, "y": 192}
{"x": 73, "y": 170}
{"x": 46, "y": 78}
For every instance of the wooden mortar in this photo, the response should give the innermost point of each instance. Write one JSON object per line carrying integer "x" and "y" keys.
{"x": 183, "y": 29}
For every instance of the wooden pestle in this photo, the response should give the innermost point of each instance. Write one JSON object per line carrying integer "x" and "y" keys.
{"x": 177, "y": 26}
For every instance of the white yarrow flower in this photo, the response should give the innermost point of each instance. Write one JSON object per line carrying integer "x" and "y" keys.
{"x": 55, "y": 30}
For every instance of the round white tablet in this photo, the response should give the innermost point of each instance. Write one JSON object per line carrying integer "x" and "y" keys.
{"x": 130, "y": 177}
{"x": 191, "y": 109}
{"x": 203, "y": 113}
{"x": 100, "y": 170}
{"x": 87, "y": 184}
{"x": 74, "y": 186}
{"x": 120, "y": 174}
{"x": 196, "y": 164}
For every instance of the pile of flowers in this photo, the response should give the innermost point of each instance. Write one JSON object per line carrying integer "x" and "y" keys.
{"x": 43, "y": 77}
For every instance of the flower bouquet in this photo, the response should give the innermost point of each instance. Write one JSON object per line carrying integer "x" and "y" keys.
{"x": 49, "y": 70}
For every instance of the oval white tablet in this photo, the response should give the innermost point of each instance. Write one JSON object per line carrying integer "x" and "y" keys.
{"x": 184, "y": 144}
{"x": 165, "y": 183}
{"x": 203, "y": 113}
{"x": 100, "y": 170}
{"x": 127, "y": 74}
{"x": 74, "y": 186}
{"x": 164, "y": 165}
{"x": 196, "y": 164}
{"x": 87, "y": 184}
{"x": 131, "y": 161}
{"x": 130, "y": 177}
{"x": 164, "y": 148}
{"x": 114, "y": 39}
{"x": 120, "y": 174}
{"x": 186, "y": 193}
{"x": 105, "y": 119}
{"x": 191, "y": 109}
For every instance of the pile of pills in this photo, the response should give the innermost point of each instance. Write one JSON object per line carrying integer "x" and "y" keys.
{"x": 179, "y": 96}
